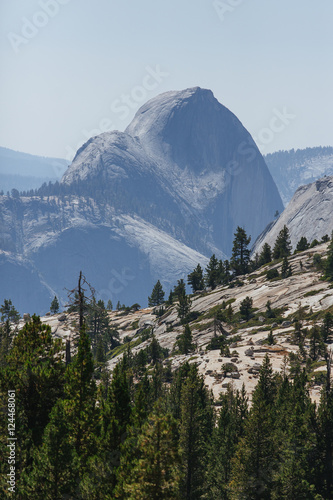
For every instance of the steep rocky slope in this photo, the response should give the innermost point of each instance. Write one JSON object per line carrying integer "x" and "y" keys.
{"x": 137, "y": 206}
{"x": 291, "y": 169}
{"x": 308, "y": 214}
{"x": 303, "y": 296}
{"x": 186, "y": 164}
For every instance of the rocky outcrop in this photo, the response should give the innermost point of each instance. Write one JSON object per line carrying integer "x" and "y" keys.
{"x": 308, "y": 214}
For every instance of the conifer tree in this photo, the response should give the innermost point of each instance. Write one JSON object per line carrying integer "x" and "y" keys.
{"x": 155, "y": 475}
{"x": 226, "y": 434}
{"x": 253, "y": 464}
{"x": 184, "y": 307}
{"x": 8, "y": 311}
{"x": 53, "y": 472}
{"x": 54, "y": 308}
{"x": 282, "y": 247}
{"x": 184, "y": 341}
{"x": 212, "y": 272}
{"x": 157, "y": 295}
{"x": 327, "y": 326}
{"x": 196, "y": 426}
{"x": 246, "y": 308}
{"x": 302, "y": 245}
{"x": 240, "y": 252}
{"x": 329, "y": 262}
{"x": 179, "y": 290}
{"x": 195, "y": 279}
{"x": 286, "y": 269}
{"x": 265, "y": 256}
{"x": 109, "y": 305}
{"x": 80, "y": 401}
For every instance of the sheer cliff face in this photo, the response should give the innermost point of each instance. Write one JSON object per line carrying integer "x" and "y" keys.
{"x": 136, "y": 206}
{"x": 192, "y": 158}
{"x": 309, "y": 214}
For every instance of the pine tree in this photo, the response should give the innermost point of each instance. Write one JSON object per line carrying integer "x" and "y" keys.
{"x": 184, "y": 341}
{"x": 53, "y": 472}
{"x": 329, "y": 262}
{"x": 8, "y": 311}
{"x": 325, "y": 436}
{"x": 179, "y": 290}
{"x": 5, "y": 342}
{"x": 196, "y": 426}
{"x": 302, "y": 245}
{"x": 265, "y": 256}
{"x": 294, "y": 435}
{"x": 80, "y": 401}
{"x": 286, "y": 270}
{"x": 212, "y": 272}
{"x": 195, "y": 279}
{"x": 226, "y": 434}
{"x": 246, "y": 308}
{"x": 327, "y": 326}
{"x": 54, "y": 308}
{"x": 254, "y": 461}
{"x": 157, "y": 295}
{"x": 184, "y": 307}
{"x": 109, "y": 305}
{"x": 282, "y": 247}
{"x": 155, "y": 475}
{"x": 240, "y": 252}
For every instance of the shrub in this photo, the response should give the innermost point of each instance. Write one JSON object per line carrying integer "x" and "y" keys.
{"x": 272, "y": 273}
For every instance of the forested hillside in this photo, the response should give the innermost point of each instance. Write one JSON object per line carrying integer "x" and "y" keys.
{"x": 222, "y": 394}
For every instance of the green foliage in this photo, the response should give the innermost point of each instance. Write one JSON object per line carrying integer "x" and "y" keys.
{"x": 327, "y": 326}
{"x": 314, "y": 243}
{"x": 246, "y": 308}
{"x": 317, "y": 261}
{"x": 184, "y": 341}
{"x": 265, "y": 256}
{"x": 282, "y": 247}
{"x": 272, "y": 274}
{"x": 329, "y": 262}
{"x": 157, "y": 296}
{"x": 212, "y": 272}
{"x": 8, "y": 311}
{"x": 54, "y": 307}
{"x": 184, "y": 307}
{"x": 240, "y": 252}
{"x": 195, "y": 279}
{"x": 302, "y": 245}
{"x": 155, "y": 473}
{"x": 286, "y": 270}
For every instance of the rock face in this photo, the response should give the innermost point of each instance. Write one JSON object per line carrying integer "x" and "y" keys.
{"x": 308, "y": 214}
{"x": 292, "y": 169}
{"x": 136, "y": 206}
{"x": 187, "y": 164}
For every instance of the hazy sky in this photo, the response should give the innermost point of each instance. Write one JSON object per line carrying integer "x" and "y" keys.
{"x": 73, "y": 68}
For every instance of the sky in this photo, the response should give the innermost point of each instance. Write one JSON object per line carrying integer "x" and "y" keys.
{"x": 71, "y": 69}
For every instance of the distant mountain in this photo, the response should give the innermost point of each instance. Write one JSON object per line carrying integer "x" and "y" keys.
{"x": 145, "y": 204}
{"x": 186, "y": 164}
{"x": 308, "y": 214}
{"x": 294, "y": 168}
{"x": 23, "y": 171}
